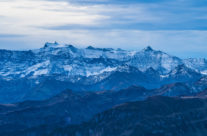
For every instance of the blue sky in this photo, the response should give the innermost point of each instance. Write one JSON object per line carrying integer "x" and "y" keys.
{"x": 178, "y": 27}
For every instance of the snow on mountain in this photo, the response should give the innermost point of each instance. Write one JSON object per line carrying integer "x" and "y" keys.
{"x": 55, "y": 67}
{"x": 149, "y": 58}
{"x": 67, "y": 60}
{"x": 181, "y": 71}
{"x": 199, "y": 64}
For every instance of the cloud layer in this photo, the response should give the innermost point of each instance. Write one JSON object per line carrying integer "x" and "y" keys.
{"x": 178, "y": 27}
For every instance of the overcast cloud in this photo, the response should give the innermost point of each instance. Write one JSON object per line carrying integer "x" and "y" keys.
{"x": 178, "y": 27}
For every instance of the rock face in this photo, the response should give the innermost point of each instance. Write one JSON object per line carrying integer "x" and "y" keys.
{"x": 42, "y": 73}
{"x": 68, "y": 61}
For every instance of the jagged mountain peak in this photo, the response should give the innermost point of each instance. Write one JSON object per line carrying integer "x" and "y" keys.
{"x": 48, "y": 44}
{"x": 182, "y": 68}
{"x": 198, "y": 64}
{"x": 148, "y": 48}
{"x": 183, "y": 73}
{"x": 90, "y": 47}
{"x": 58, "y": 45}
{"x": 92, "y": 66}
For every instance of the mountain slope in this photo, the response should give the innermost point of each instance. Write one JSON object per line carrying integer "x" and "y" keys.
{"x": 65, "y": 108}
{"x": 70, "y": 61}
{"x": 42, "y": 73}
{"x": 157, "y": 116}
{"x": 71, "y": 107}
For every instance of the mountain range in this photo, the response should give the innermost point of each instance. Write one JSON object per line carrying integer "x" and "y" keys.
{"x": 71, "y": 108}
{"x": 155, "y": 116}
{"x": 61, "y": 90}
{"x": 43, "y": 73}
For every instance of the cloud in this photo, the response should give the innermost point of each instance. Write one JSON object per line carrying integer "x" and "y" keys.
{"x": 132, "y": 24}
{"x": 10, "y": 35}
{"x": 180, "y": 43}
{"x": 110, "y": 1}
{"x": 41, "y": 13}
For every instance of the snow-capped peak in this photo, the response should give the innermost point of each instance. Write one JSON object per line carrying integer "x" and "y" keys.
{"x": 48, "y": 44}
{"x": 181, "y": 69}
{"x": 96, "y": 68}
{"x": 53, "y": 45}
{"x": 68, "y": 61}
